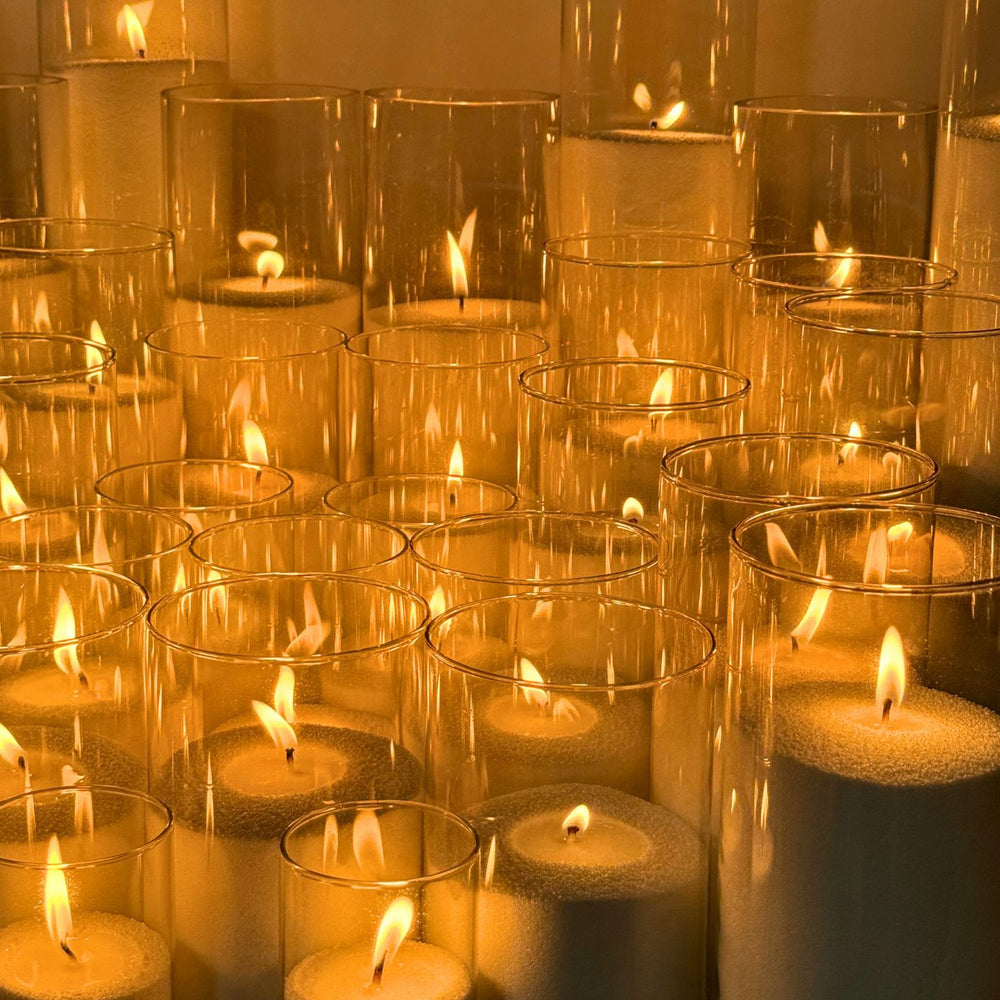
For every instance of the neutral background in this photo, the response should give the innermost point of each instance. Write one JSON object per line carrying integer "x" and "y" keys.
{"x": 884, "y": 48}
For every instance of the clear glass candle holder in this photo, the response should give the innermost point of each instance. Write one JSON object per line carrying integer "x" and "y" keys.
{"x": 148, "y": 546}
{"x": 201, "y": 491}
{"x": 646, "y": 294}
{"x": 591, "y": 433}
{"x": 575, "y": 730}
{"x": 72, "y": 664}
{"x": 261, "y": 390}
{"x": 264, "y": 191}
{"x": 708, "y": 487}
{"x": 117, "y": 59}
{"x": 764, "y": 283}
{"x": 460, "y": 200}
{"x": 58, "y": 419}
{"x": 435, "y": 399}
{"x": 860, "y": 736}
{"x": 862, "y": 181}
{"x": 479, "y": 556}
{"x": 271, "y": 696}
{"x": 34, "y": 178}
{"x": 85, "y": 882}
{"x": 303, "y": 543}
{"x": 414, "y": 501}
{"x": 918, "y": 367}
{"x": 358, "y": 875}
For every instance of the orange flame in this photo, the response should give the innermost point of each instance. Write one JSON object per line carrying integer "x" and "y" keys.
{"x": 10, "y": 750}
{"x": 256, "y": 239}
{"x": 459, "y": 277}
{"x": 277, "y": 728}
{"x": 58, "y": 915}
{"x": 63, "y": 630}
{"x": 891, "y": 683}
{"x": 532, "y": 695}
{"x": 663, "y": 391}
{"x": 367, "y": 841}
{"x": 130, "y": 25}
{"x": 456, "y": 464}
{"x": 806, "y": 629}
{"x": 284, "y": 694}
{"x": 877, "y": 556}
{"x": 671, "y": 116}
{"x": 849, "y": 451}
{"x": 576, "y": 823}
{"x": 392, "y": 932}
{"x": 844, "y": 271}
{"x": 633, "y": 510}
{"x": 10, "y": 499}
{"x": 437, "y": 602}
{"x": 779, "y": 549}
{"x": 270, "y": 264}
{"x": 254, "y": 445}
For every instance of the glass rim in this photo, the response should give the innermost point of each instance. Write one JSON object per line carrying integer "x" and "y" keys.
{"x": 100, "y": 486}
{"x": 950, "y": 588}
{"x": 107, "y": 354}
{"x": 30, "y": 81}
{"x": 118, "y": 791}
{"x": 740, "y": 267}
{"x": 554, "y": 248}
{"x": 336, "y": 342}
{"x": 711, "y": 402}
{"x": 795, "y": 437}
{"x": 122, "y": 582}
{"x": 398, "y": 536}
{"x": 436, "y": 624}
{"x": 835, "y": 105}
{"x": 161, "y": 607}
{"x": 449, "y": 329}
{"x": 425, "y": 808}
{"x": 799, "y": 302}
{"x": 284, "y": 93}
{"x": 147, "y": 238}
{"x": 626, "y": 528}
{"x": 461, "y": 97}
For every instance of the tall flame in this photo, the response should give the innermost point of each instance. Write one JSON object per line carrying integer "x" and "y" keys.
{"x": 58, "y": 916}
{"x": 456, "y": 464}
{"x": 532, "y": 695}
{"x": 779, "y": 549}
{"x": 10, "y": 750}
{"x": 663, "y": 391}
{"x": 254, "y": 445}
{"x": 367, "y": 842}
{"x": 437, "y": 602}
{"x": 576, "y": 823}
{"x": 806, "y": 629}
{"x": 130, "y": 25}
{"x": 459, "y": 277}
{"x": 849, "y": 451}
{"x": 891, "y": 683}
{"x": 284, "y": 694}
{"x": 277, "y": 728}
{"x": 10, "y": 499}
{"x": 876, "y": 566}
{"x": 844, "y": 271}
{"x": 392, "y": 932}
{"x": 64, "y": 629}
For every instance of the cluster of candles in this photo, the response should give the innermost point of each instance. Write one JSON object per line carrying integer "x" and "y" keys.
{"x": 398, "y": 602}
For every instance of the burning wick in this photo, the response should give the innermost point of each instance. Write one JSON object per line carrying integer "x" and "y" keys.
{"x": 886, "y": 708}
{"x": 576, "y": 823}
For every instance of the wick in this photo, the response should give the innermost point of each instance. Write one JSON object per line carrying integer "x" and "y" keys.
{"x": 652, "y": 125}
{"x": 82, "y": 678}
{"x": 92, "y": 388}
{"x": 290, "y": 755}
{"x": 795, "y": 644}
{"x": 452, "y": 499}
{"x": 461, "y": 303}
{"x": 22, "y": 763}
{"x": 69, "y": 951}
{"x": 260, "y": 472}
{"x": 142, "y": 53}
{"x": 263, "y": 282}
{"x": 377, "y": 974}
{"x": 886, "y": 708}
{"x": 840, "y": 459}
{"x": 571, "y": 832}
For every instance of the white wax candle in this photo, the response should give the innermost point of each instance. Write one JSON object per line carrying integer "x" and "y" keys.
{"x": 512, "y": 313}
{"x": 617, "y": 911}
{"x": 117, "y": 958}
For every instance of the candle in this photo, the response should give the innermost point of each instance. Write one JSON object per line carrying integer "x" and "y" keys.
{"x": 486, "y": 312}
{"x": 588, "y": 892}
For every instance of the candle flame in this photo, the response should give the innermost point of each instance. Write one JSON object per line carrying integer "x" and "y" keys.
{"x": 10, "y": 499}
{"x": 779, "y": 549}
{"x": 10, "y": 750}
{"x": 625, "y": 345}
{"x": 876, "y": 565}
{"x": 392, "y": 932}
{"x": 901, "y": 532}
{"x": 130, "y": 25}
{"x": 256, "y": 239}
{"x": 576, "y": 823}
{"x": 806, "y": 629}
{"x": 63, "y": 630}
{"x": 459, "y": 278}
{"x": 58, "y": 915}
{"x": 891, "y": 683}
{"x": 468, "y": 233}
{"x": 663, "y": 391}
{"x": 671, "y": 116}
{"x": 366, "y": 839}
{"x": 284, "y": 694}
{"x": 820, "y": 240}
{"x": 331, "y": 841}
{"x": 632, "y": 509}
{"x": 309, "y": 640}
{"x": 456, "y": 464}
{"x": 437, "y": 602}
{"x": 532, "y": 695}
{"x": 41, "y": 318}
{"x": 270, "y": 264}
{"x": 94, "y": 357}
{"x": 277, "y": 728}
{"x": 849, "y": 451}
{"x": 254, "y": 445}
{"x": 642, "y": 98}
{"x": 102, "y": 554}
{"x": 843, "y": 272}
{"x": 239, "y": 402}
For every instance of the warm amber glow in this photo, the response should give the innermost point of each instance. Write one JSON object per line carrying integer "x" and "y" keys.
{"x": 102, "y": 554}
{"x": 564, "y": 710}
{"x": 58, "y": 916}
{"x": 277, "y": 728}
{"x": 456, "y": 464}
{"x": 10, "y": 750}
{"x": 849, "y": 451}
{"x": 255, "y": 239}
{"x": 468, "y": 233}
{"x": 844, "y": 271}
{"x": 625, "y": 345}
{"x": 94, "y": 357}
{"x": 437, "y": 602}
{"x": 130, "y": 26}
{"x": 663, "y": 391}
{"x": 63, "y": 630}
{"x": 642, "y": 98}
{"x": 900, "y": 533}
{"x": 41, "y": 319}
{"x": 806, "y": 629}
{"x": 239, "y": 402}
{"x": 577, "y": 822}
{"x": 632, "y": 509}
{"x": 10, "y": 499}
{"x": 311, "y": 638}
{"x": 671, "y": 116}
{"x": 392, "y": 932}
{"x": 284, "y": 693}
{"x": 254, "y": 445}
{"x": 876, "y": 556}
{"x": 820, "y": 240}
{"x": 891, "y": 684}
{"x": 270, "y": 264}
{"x": 367, "y": 842}
{"x": 779, "y": 549}
{"x": 459, "y": 278}
{"x": 532, "y": 695}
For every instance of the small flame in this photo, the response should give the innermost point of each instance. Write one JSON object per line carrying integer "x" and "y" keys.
{"x": 10, "y": 750}
{"x": 254, "y": 445}
{"x": 642, "y": 98}
{"x": 901, "y": 532}
{"x": 10, "y": 499}
{"x": 468, "y": 233}
{"x": 671, "y": 116}
{"x": 58, "y": 916}
{"x": 277, "y": 728}
{"x": 806, "y": 629}
{"x": 367, "y": 842}
{"x": 891, "y": 684}
{"x": 779, "y": 549}
{"x": 239, "y": 402}
{"x": 41, "y": 319}
{"x": 270, "y": 264}
{"x": 284, "y": 694}
{"x": 437, "y": 602}
{"x": 820, "y": 240}
{"x": 576, "y": 823}
{"x": 663, "y": 391}
{"x": 632, "y": 510}
{"x": 532, "y": 695}
{"x": 94, "y": 357}
{"x": 130, "y": 25}
{"x": 392, "y": 932}
{"x": 625, "y": 345}
{"x": 102, "y": 554}
{"x": 843, "y": 272}
{"x": 63, "y": 630}
{"x": 456, "y": 464}
{"x": 255, "y": 239}
{"x": 849, "y": 451}
{"x": 331, "y": 841}
{"x": 459, "y": 278}
{"x": 876, "y": 566}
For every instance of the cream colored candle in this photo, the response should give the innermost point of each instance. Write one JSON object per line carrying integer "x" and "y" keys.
{"x": 515, "y": 314}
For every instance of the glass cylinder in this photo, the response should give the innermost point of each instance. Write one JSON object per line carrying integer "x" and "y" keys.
{"x": 335, "y": 657}
{"x": 264, "y": 191}
{"x": 488, "y": 555}
{"x": 648, "y": 87}
{"x": 117, "y": 59}
{"x": 34, "y": 167}
{"x": 85, "y": 880}
{"x": 411, "y": 502}
{"x": 592, "y": 433}
{"x": 575, "y": 729}
{"x": 916, "y": 367}
{"x": 260, "y": 390}
{"x": 148, "y": 546}
{"x": 435, "y": 399}
{"x": 651, "y": 294}
{"x": 862, "y": 180}
{"x": 58, "y": 419}
{"x": 72, "y": 665}
{"x": 201, "y": 491}
{"x": 461, "y": 197}
{"x": 110, "y": 282}
{"x": 358, "y": 875}
{"x": 708, "y": 487}
{"x": 861, "y": 755}
{"x": 966, "y": 220}
{"x": 303, "y": 543}
{"x": 765, "y": 283}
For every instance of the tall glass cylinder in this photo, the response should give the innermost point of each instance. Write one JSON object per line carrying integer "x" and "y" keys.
{"x": 648, "y": 88}
{"x": 460, "y": 200}
{"x": 264, "y": 192}
{"x": 118, "y": 58}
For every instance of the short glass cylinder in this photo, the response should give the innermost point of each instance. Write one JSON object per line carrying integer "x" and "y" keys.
{"x": 265, "y": 193}
{"x": 575, "y": 730}
{"x": 34, "y": 177}
{"x": 460, "y": 200}
{"x": 72, "y": 667}
{"x": 85, "y": 882}
{"x": 148, "y": 546}
{"x": 648, "y": 294}
{"x": 337, "y": 658}
{"x": 861, "y": 732}
{"x": 916, "y": 367}
{"x": 863, "y": 178}
{"x": 708, "y": 487}
{"x": 488, "y": 555}
{"x": 435, "y": 399}
{"x": 359, "y": 874}
{"x": 60, "y": 419}
{"x": 201, "y": 491}
{"x": 243, "y": 387}
{"x": 591, "y": 433}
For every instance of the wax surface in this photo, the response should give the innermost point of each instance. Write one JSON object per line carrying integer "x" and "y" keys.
{"x": 513, "y": 313}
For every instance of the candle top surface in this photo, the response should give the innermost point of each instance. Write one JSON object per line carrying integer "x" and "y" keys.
{"x": 286, "y": 290}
